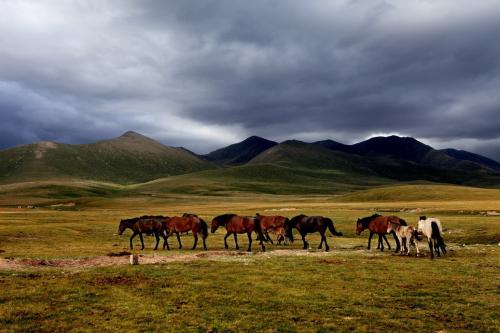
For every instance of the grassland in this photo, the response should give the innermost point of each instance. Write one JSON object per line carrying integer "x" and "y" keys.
{"x": 283, "y": 290}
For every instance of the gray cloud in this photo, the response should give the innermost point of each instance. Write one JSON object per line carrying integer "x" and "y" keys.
{"x": 207, "y": 73}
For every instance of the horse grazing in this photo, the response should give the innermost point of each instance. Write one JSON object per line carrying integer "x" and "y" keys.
{"x": 378, "y": 224}
{"x": 309, "y": 224}
{"x": 236, "y": 224}
{"x": 275, "y": 224}
{"x": 188, "y": 222}
{"x": 431, "y": 228}
{"x": 150, "y": 225}
{"x": 406, "y": 235}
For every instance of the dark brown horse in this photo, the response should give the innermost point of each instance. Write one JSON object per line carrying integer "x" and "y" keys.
{"x": 239, "y": 225}
{"x": 188, "y": 222}
{"x": 150, "y": 225}
{"x": 378, "y": 224}
{"x": 309, "y": 224}
{"x": 274, "y": 224}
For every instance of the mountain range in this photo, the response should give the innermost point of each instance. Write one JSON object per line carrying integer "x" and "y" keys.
{"x": 253, "y": 163}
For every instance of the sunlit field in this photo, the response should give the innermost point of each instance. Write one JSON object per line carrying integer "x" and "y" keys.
{"x": 60, "y": 269}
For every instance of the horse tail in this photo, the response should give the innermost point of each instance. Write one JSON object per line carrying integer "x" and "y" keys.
{"x": 331, "y": 227}
{"x": 204, "y": 228}
{"x": 436, "y": 234}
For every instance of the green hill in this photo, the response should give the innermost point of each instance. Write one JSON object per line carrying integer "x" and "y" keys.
{"x": 300, "y": 155}
{"x": 421, "y": 193}
{"x": 130, "y": 158}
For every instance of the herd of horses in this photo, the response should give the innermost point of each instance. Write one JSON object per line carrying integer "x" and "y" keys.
{"x": 404, "y": 235}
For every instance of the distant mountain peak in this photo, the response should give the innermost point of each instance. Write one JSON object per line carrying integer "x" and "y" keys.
{"x": 241, "y": 152}
{"x": 132, "y": 134}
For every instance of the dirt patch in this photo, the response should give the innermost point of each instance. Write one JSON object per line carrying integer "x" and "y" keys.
{"x": 68, "y": 204}
{"x": 119, "y": 254}
{"x": 122, "y": 258}
{"x": 114, "y": 280}
{"x": 42, "y": 148}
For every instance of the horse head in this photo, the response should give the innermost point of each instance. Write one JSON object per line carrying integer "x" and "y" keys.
{"x": 359, "y": 227}
{"x": 220, "y": 221}
{"x": 123, "y": 225}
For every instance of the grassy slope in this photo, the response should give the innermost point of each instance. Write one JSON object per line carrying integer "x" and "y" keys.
{"x": 130, "y": 158}
{"x": 422, "y": 193}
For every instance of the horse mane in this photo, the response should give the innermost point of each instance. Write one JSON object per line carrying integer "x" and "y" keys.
{"x": 295, "y": 219}
{"x": 365, "y": 220}
{"x": 224, "y": 218}
{"x": 144, "y": 217}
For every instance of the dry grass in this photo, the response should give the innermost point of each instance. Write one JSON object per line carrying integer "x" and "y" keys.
{"x": 348, "y": 289}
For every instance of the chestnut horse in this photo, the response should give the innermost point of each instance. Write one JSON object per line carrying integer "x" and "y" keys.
{"x": 275, "y": 224}
{"x": 188, "y": 222}
{"x": 150, "y": 225}
{"x": 378, "y": 224}
{"x": 239, "y": 225}
{"x": 309, "y": 224}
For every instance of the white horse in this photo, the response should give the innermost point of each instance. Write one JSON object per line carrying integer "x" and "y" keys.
{"x": 406, "y": 234}
{"x": 431, "y": 228}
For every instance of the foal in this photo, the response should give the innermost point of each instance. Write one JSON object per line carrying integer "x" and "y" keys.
{"x": 275, "y": 224}
{"x": 406, "y": 235}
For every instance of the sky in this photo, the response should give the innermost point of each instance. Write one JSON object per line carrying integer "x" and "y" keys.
{"x": 205, "y": 74}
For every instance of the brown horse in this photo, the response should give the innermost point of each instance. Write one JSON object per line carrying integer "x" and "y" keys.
{"x": 275, "y": 224}
{"x": 188, "y": 222}
{"x": 239, "y": 225}
{"x": 378, "y": 224}
{"x": 150, "y": 225}
{"x": 309, "y": 224}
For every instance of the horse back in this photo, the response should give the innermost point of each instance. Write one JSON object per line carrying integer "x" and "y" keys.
{"x": 379, "y": 224}
{"x": 148, "y": 225}
{"x": 179, "y": 224}
{"x": 241, "y": 224}
{"x": 272, "y": 222}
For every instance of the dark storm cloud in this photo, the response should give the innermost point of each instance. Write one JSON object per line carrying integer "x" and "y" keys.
{"x": 207, "y": 73}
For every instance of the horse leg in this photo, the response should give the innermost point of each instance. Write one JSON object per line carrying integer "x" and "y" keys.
{"x": 157, "y": 239}
{"x": 263, "y": 248}
{"x": 142, "y": 240}
{"x": 204, "y": 242}
{"x": 236, "y": 240}
{"x": 306, "y": 244}
{"x": 195, "y": 235}
{"x": 380, "y": 243}
{"x": 268, "y": 238}
{"x": 250, "y": 241}
{"x": 398, "y": 245}
{"x": 320, "y": 243}
{"x": 131, "y": 238}
{"x": 370, "y": 239}
{"x": 225, "y": 240}
{"x": 179, "y": 240}
{"x": 323, "y": 239}
{"x": 388, "y": 245}
{"x": 165, "y": 243}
